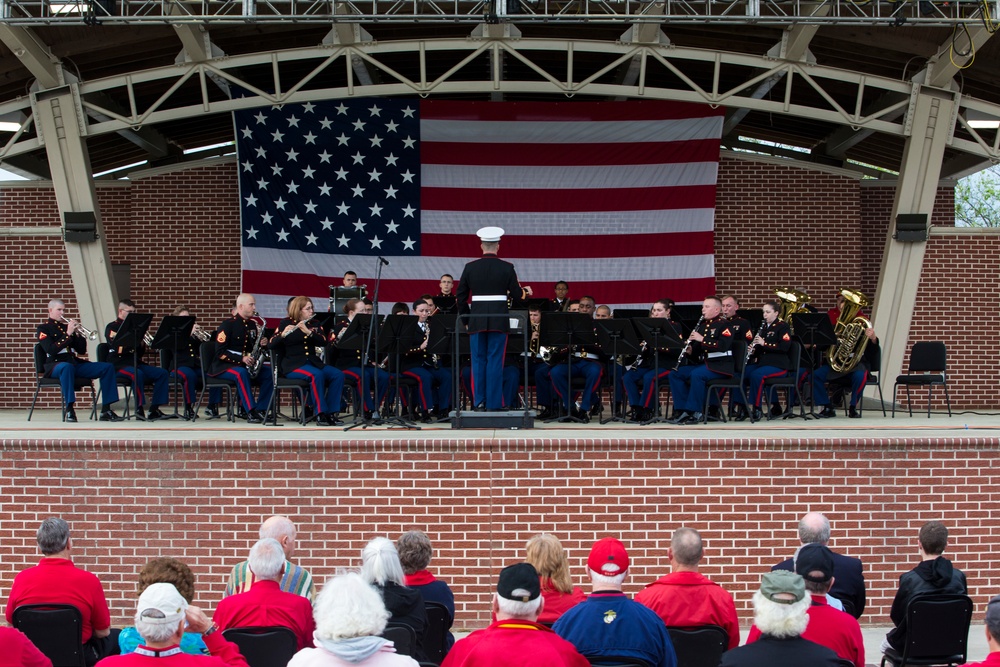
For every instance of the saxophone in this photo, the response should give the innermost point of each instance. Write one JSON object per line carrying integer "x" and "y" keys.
{"x": 850, "y": 330}
{"x": 257, "y": 353}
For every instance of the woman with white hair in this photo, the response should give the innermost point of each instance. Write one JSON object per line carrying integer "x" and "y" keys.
{"x": 381, "y": 568}
{"x": 349, "y": 617}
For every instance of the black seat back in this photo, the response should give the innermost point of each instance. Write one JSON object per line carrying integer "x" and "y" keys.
{"x": 436, "y": 634}
{"x": 937, "y": 629}
{"x": 928, "y": 356}
{"x": 40, "y": 358}
{"x": 271, "y": 646}
{"x": 402, "y": 636}
{"x": 56, "y": 629}
{"x": 700, "y": 646}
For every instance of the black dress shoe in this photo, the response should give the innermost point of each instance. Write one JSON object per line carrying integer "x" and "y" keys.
{"x": 255, "y": 417}
{"x": 582, "y": 415}
{"x": 740, "y": 413}
{"x": 140, "y": 413}
{"x": 108, "y": 415}
{"x": 680, "y": 417}
{"x": 853, "y": 413}
{"x": 154, "y": 414}
{"x": 189, "y": 412}
{"x": 70, "y": 415}
{"x": 212, "y": 411}
{"x": 596, "y": 409}
{"x": 757, "y": 414}
{"x": 693, "y": 418}
{"x": 334, "y": 420}
{"x": 827, "y": 412}
{"x": 776, "y": 410}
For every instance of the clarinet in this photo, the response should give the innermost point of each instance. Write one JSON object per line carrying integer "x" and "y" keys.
{"x": 750, "y": 348}
{"x": 687, "y": 344}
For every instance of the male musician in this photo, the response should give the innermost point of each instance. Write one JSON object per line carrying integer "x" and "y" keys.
{"x": 187, "y": 364}
{"x": 122, "y": 357}
{"x": 561, "y": 301}
{"x": 235, "y": 341}
{"x": 740, "y": 326}
{"x": 572, "y": 306}
{"x": 349, "y": 362}
{"x": 589, "y": 363}
{"x": 447, "y": 285}
{"x": 769, "y": 359}
{"x": 350, "y": 279}
{"x": 710, "y": 356}
{"x": 490, "y": 282}
{"x": 858, "y": 378}
{"x": 640, "y": 375}
{"x": 602, "y": 313}
{"x": 62, "y": 340}
{"x": 433, "y": 382}
{"x": 587, "y": 305}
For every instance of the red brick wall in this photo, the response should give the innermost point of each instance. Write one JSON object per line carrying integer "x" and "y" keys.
{"x": 480, "y": 500}
{"x": 776, "y": 225}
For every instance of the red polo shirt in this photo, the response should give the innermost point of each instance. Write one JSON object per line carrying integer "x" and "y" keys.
{"x": 684, "y": 599}
{"x": 266, "y": 604}
{"x": 837, "y": 630}
{"x": 58, "y": 581}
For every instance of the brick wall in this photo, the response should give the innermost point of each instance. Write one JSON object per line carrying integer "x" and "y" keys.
{"x": 776, "y": 225}
{"x": 480, "y": 500}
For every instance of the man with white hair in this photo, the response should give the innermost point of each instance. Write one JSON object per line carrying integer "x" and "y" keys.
{"x": 610, "y": 625}
{"x": 515, "y": 637}
{"x": 265, "y": 604}
{"x": 848, "y": 592}
{"x": 295, "y": 579}
{"x": 780, "y": 613}
{"x": 162, "y": 616}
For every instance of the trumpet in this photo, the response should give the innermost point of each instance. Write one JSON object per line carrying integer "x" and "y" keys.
{"x": 201, "y": 334}
{"x": 81, "y": 330}
{"x": 148, "y": 339}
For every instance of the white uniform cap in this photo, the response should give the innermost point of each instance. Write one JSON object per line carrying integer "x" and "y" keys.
{"x": 165, "y": 599}
{"x": 490, "y": 234}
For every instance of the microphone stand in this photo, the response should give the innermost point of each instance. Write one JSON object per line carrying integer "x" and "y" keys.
{"x": 376, "y": 419}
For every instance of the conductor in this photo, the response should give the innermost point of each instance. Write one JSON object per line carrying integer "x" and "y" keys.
{"x": 490, "y": 282}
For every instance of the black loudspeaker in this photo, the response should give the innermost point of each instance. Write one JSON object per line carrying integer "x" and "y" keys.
{"x": 911, "y": 227}
{"x": 79, "y": 227}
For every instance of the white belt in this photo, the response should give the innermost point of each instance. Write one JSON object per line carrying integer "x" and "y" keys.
{"x": 235, "y": 353}
{"x": 716, "y": 355}
{"x": 490, "y": 297}
{"x": 585, "y": 355}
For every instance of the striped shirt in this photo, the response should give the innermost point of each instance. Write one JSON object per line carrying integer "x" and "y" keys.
{"x": 295, "y": 580}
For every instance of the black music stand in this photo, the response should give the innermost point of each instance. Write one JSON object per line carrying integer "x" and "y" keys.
{"x": 132, "y": 331}
{"x": 752, "y": 315}
{"x": 629, "y": 313}
{"x": 439, "y": 341}
{"x": 358, "y": 336}
{"x": 459, "y": 348}
{"x": 447, "y": 305}
{"x": 619, "y": 337}
{"x": 399, "y": 334}
{"x": 567, "y": 330}
{"x": 172, "y": 330}
{"x": 339, "y": 296}
{"x": 815, "y": 330}
{"x": 659, "y": 333}
{"x": 543, "y": 305}
{"x": 685, "y": 312}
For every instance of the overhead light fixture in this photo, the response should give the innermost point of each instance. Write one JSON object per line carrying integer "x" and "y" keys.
{"x": 9, "y": 127}
{"x": 980, "y": 120}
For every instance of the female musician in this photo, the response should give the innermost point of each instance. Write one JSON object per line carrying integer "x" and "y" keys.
{"x": 640, "y": 374}
{"x": 301, "y": 362}
{"x": 768, "y": 359}
{"x": 349, "y": 361}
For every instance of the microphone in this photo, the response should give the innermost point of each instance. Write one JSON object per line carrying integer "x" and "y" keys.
{"x": 384, "y": 261}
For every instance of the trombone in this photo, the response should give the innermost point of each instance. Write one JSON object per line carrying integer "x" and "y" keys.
{"x": 81, "y": 330}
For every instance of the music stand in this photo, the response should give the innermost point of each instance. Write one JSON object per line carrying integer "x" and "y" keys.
{"x": 399, "y": 334}
{"x": 618, "y": 336}
{"x": 460, "y": 347}
{"x": 812, "y": 329}
{"x": 445, "y": 304}
{"x": 355, "y": 337}
{"x": 339, "y": 296}
{"x": 543, "y": 305}
{"x": 659, "y": 333}
{"x": 629, "y": 313}
{"x": 132, "y": 330}
{"x": 172, "y": 330}
{"x": 567, "y": 330}
{"x": 752, "y": 315}
{"x": 684, "y": 312}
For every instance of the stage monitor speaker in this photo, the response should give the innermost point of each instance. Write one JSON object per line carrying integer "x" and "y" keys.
{"x": 911, "y": 227}
{"x": 79, "y": 227}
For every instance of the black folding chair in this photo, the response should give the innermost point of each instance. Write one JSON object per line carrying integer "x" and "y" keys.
{"x": 41, "y": 381}
{"x": 283, "y": 382}
{"x": 789, "y": 382}
{"x": 928, "y": 366}
{"x": 56, "y": 629}
{"x": 402, "y": 636}
{"x": 103, "y": 351}
{"x": 436, "y": 635}
{"x": 271, "y": 646}
{"x": 617, "y": 661}
{"x": 207, "y": 353}
{"x": 937, "y": 632}
{"x": 699, "y": 646}
{"x": 735, "y": 382}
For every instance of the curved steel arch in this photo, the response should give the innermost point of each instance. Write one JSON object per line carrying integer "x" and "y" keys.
{"x": 804, "y": 84}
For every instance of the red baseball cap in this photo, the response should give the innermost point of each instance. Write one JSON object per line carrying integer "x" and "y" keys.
{"x": 608, "y": 557}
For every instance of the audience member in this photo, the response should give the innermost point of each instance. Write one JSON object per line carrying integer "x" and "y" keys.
{"x": 381, "y": 568}
{"x": 934, "y": 574}
{"x": 18, "y": 651}
{"x": 848, "y": 592}
{"x": 168, "y": 571}
{"x": 610, "y": 625}
{"x": 350, "y": 617}
{"x": 265, "y": 604}
{"x": 545, "y": 553}
{"x": 415, "y": 551}
{"x": 161, "y": 618}
{"x": 515, "y": 638}
{"x": 780, "y": 613}
{"x": 55, "y": 579}
{"x": 685, "y": 597}
{"x": 835, "y": 629}
{"x": 295, "y": 579}
{"x": 992, "y": 626}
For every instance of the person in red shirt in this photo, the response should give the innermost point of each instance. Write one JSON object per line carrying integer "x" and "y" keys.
{"x": 835, "y": 629}
{"x": 18, "y": 651}
{"x": 992, "y": 625}
{"x": 265, "y": 604}
{"x": 545, "y": 553}
{"x": 56, "y": 580}
{"x": 515, "y": 638}
{"x": 685, "y": 597}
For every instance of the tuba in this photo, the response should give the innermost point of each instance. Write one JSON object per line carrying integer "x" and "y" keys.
{"x": 850, "y": 330}
{"x": 791, "y": 301}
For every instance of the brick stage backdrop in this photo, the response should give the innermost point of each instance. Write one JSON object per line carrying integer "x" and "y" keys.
{"x": 480, "y": 500}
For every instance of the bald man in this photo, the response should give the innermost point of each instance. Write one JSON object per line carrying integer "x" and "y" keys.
{"x": 234, "y": 342}
{"x": 294, "y": 579}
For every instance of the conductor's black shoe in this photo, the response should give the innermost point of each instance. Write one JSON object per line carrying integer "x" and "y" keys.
{"x": 853, "y": 413}
{"x": 255, "y": 417}
{"x": 827, "y": 412}
{"x": 154, "y": 414}
{"x": 140, "y": 413}
{"x": 70, "y": 415}
{"x": 108, "y": 415}
{"x": 212, "y": 411}
{"x": 189, "y": 412}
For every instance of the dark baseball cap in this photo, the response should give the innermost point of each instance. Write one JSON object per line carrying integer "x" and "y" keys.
{"x": 815, "y": 558}
{"x": 519, "y": 582}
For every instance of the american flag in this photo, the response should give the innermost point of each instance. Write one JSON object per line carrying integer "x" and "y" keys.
{"x": 616, "y": 198}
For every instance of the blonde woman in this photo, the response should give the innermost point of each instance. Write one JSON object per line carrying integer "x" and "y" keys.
{"x": 545, "y": 553}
